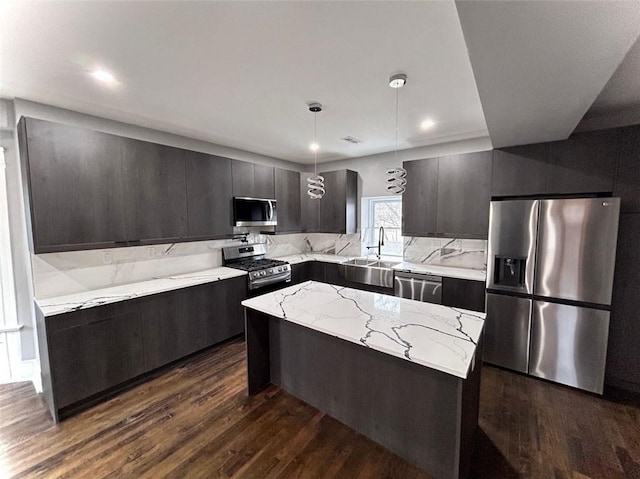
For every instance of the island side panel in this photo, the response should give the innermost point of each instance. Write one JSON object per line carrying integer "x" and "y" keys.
{"x": 257, "y": 345}
{"x": 410, "y": 409}
{"x": 469, "y": 400}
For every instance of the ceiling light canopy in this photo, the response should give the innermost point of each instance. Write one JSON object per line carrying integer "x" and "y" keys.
{"x": 398, "y": 80}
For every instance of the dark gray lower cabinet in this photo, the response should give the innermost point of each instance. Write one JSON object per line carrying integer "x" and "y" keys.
{"x": 90, "y": 353}
{"x": 93, "y": 350}
{"x": 183, "y": 321}
{"x": 171, "y": 326}
{"x": 463, "y": 293}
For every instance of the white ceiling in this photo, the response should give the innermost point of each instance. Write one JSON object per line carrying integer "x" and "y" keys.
{"x": 240, "y": 73}
{"x": 618, "y": 104}
{"x": 539, "y": 65}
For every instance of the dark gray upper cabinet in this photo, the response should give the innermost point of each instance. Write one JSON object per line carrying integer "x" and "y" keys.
{"x": 75, "y": 186}
{"x": 242, "y": 174}
{"x": 419, "y": 202}
{"x": 464, "y": 194}
{"x": 309, "y": 208}
{"x": 253, "y": 181}
{"x": 155, "y": 191}
{"x": 584, "y": 163}
{"x": 338, "y": 207}
{"x": 264, "y": 182}
{"x": 520, "y": 170}
{"x": 627, "y": 185}
{"x": 288, "y": 200}
{"x": 209, "y": 196}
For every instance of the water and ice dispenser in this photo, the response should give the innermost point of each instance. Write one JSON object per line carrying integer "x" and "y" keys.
{"x": 510, "y": 271}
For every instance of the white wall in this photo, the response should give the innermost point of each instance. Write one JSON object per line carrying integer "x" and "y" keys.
{"x": 51, "y": 113}
{"x": 21, "y": 261}
{"x": 372, "y": 169}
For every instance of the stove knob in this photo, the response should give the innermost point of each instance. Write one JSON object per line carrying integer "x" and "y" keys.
{"x": 271, "y": 271}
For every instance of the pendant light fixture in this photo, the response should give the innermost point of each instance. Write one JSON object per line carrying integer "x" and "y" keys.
{"x": 315, "y": 184}
{"x": 396, "y": 175}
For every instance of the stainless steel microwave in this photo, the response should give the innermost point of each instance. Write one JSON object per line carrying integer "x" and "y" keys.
{"x": 254, "y": 212}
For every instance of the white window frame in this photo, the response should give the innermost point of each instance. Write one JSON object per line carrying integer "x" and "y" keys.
{"x": 369, "y": 237}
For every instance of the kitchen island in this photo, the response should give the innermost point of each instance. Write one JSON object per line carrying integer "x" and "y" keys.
{"x": 405, "y": 374}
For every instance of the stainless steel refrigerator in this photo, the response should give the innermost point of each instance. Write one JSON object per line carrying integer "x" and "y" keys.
{"x": 550, "y": 267}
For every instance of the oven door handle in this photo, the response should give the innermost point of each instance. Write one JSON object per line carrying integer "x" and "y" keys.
{"x": 256, "y": 283}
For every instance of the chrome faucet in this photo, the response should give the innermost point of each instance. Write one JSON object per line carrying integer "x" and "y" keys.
{"x": 380, "y": 242}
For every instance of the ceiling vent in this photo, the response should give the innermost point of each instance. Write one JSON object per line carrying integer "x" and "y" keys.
{"x": 351, "y": 140}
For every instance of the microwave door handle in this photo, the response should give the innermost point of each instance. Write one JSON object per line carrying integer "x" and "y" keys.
{"x": 270, "y": 211}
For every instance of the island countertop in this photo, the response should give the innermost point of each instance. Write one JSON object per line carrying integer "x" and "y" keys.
{"x": 439, "y": 337}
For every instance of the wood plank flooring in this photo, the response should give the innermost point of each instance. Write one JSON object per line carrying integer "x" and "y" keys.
{"x": 195, "y": 421}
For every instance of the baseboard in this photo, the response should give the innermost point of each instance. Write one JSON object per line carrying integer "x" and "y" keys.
{"x": 623, "y": 384}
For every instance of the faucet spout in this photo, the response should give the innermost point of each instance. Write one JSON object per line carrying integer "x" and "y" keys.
{"x": 380, "y": 243}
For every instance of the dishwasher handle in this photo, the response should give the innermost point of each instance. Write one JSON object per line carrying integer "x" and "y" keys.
{"x": 419, "y": 287}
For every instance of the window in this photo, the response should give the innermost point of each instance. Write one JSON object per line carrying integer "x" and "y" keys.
{"x": 385, "y": 211}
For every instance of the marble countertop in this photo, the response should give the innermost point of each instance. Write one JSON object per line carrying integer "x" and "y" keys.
{"x": 97, "y": 297}
{"x": 304, "y": 257}
{"x": 439, "y": 337}
{"x": 448, "y": 271}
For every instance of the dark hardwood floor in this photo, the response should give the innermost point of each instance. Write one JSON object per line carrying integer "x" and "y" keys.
{"x": 195, "y": 420}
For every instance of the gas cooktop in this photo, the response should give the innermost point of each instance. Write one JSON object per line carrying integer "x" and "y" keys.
{"x": 257, "y": 264}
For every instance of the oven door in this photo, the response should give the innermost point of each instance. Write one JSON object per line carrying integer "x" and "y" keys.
{"x": 268, "y": 285}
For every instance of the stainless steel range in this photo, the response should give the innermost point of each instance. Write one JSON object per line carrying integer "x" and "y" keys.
{"x": 262, "y": 271}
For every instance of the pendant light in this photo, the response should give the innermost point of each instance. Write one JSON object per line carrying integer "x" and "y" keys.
{"x": 315, "y": 184}
{"x": 396, "y": 175}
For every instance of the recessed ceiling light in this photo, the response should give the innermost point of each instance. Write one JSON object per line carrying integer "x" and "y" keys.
{"x": 427, "y": 124}
{"x": 104, "y": 76}
{"x": 314, "y": 147}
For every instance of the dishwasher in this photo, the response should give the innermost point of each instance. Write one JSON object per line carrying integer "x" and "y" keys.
{"x": 419, "y": 287}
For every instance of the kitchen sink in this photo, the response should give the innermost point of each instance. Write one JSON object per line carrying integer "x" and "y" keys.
{"x": 368, "y": 271}
{"x": 359, "y": 262}
{"x": 383, "y": 264}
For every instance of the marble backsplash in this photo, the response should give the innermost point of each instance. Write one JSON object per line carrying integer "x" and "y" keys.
{"x": 56, "y": 274}
{"x": 71, "y": 272}
{"x": 343, "y": 245}
{"x": 459, "y": 253}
